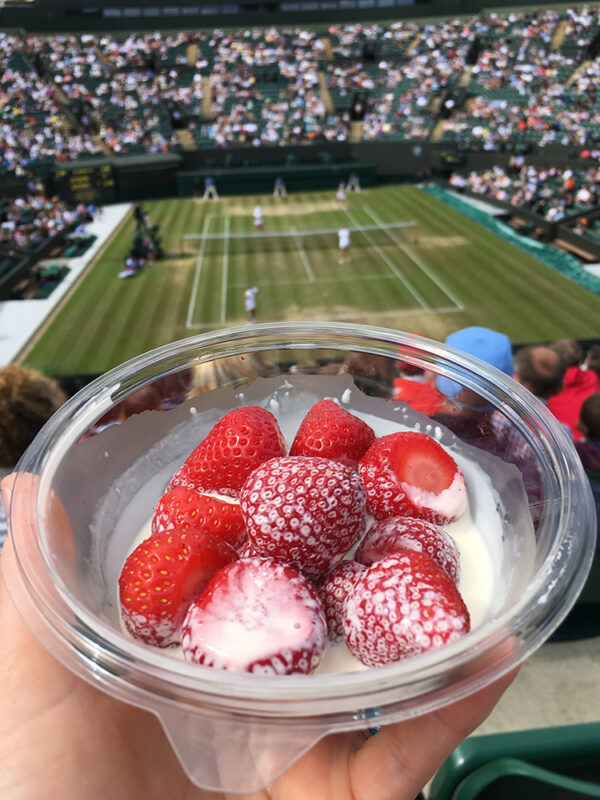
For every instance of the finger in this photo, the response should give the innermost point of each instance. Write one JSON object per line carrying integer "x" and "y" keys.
{"x": 397, "y": 762}
{"x": 6, "y": 488}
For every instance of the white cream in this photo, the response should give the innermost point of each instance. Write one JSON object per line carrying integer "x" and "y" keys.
{"x": 479, "y": 539}
{"x": 451, "y": 502}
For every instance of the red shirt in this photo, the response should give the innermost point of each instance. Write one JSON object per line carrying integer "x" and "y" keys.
{"x": 421, "y": 396}
{"x": 578, "y": 385}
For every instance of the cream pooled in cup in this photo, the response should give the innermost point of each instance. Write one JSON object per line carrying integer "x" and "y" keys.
{"x": 478, "y": 538}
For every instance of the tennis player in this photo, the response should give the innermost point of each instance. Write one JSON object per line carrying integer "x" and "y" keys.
{"x": 344, "y": 245}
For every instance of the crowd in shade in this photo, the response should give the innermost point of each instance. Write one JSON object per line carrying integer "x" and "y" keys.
{"x": 547, "y": 191}
{"x": 530, "y": 81}
{"x": 27, "y": 222}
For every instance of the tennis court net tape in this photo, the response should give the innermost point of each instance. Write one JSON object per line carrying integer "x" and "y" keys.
{"x": 300, "y": 233}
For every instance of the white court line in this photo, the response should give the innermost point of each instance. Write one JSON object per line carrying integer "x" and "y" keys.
{"x": 303, "y": 256}
{"x": 197, "y": 271}
{"x": 449, "y": 294}
{"x": 225, "y": 271}
{"x": 391, "y": 265}
{"x": 352, "y": 317}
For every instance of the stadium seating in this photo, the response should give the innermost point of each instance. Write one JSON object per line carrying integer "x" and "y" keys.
{"x": 489, "y": 80}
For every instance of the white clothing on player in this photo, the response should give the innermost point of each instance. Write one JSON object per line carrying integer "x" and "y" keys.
{"x": 250, "y": 298}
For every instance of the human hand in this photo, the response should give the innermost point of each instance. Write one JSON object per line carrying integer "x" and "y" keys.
{"x": 62, "y": 736}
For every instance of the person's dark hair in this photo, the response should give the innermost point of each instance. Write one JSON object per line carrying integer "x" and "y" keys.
{"x": 589, "y": 416}
{"x": 593, "y": 358}
{"x": 27, "y": 400}
{"x": 540, "y": 369}
{"x": 569, "y": 350}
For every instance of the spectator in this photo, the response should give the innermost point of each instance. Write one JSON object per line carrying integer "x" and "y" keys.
{"x": 541, "y": 370}
{"x": 27, "y": 401}
{"x": 592, "y": 359}
{"x": 490, "y": 346}
{"x": 472, "y": 419}
{"x": 416, "y": 387}
{"x": 588, "y": 448}
{"x": 588, "y": 445}
{"x": 577, "y": 385}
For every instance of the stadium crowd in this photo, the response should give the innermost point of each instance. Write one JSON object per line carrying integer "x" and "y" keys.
{"x": 527, "y": 77}
{"x": 550, "y": 192}
{"x": 27, "y": 222}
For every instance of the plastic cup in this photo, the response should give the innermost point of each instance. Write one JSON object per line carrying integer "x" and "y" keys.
{"x": 96, "y": 487}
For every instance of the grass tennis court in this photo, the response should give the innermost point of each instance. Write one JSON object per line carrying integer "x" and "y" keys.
{"x": 455, "y": 274}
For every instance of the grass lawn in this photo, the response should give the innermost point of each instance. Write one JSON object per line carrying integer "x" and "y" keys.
{"x": 457, "y": 274}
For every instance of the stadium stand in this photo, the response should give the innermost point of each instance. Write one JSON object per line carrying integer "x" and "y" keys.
{"x": 487, "y": 81}
{"x": 523, "y": 81}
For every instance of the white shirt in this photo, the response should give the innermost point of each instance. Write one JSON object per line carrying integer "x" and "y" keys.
{"x": 258, "y": 215}
{"x": 250, "y": 298}
{"x": 344, "y": 237}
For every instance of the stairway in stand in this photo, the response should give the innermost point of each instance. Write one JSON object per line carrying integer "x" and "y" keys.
{"x": 186, "y": 140}
{"x": 324, "y": 93}
{"x": 356, "y": 131}
{"x": 437, "y": 131}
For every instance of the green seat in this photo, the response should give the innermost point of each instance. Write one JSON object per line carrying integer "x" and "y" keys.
{"x": 557, "y": 763}
{"x": 513, "y": 778}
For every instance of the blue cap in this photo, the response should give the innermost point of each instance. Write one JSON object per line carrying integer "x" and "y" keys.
{"x": 490, "y": 346}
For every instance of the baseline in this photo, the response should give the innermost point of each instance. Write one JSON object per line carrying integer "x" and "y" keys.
{"x": 415, "y": 293}
{"x": 423, "y": 267}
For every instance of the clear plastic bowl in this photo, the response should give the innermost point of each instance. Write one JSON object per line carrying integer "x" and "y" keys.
{"x": 97, "y": 485}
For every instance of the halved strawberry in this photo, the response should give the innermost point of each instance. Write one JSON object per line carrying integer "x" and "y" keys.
{"x": 410, "y": 474}
{"x": 259, "y": 616}
{"x": 241, "y": 441}
{"x": 162, "y": 576}
{"x": 185, "y": 508}
{"x": 400, "y": 607}
{"x": 334, "y": 588}
{"x": 329, "y": 431}
{"x": 303, "y": 511}
{"x": 390, "y": 536}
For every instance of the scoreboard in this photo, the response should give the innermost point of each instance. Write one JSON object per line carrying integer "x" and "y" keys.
{"x": 86, "y": 184}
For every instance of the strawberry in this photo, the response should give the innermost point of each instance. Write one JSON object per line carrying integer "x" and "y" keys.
{"x": 390, "y": 536}
{"x": 162, "y": 576}
{"x": 402, "y": 606}
{"x": 184, "y": 508}
{"x": 335, "y": 587}
{"x": 410, "y": 474}
{"x": 329, "y": 431}
{"x": 303, "y": 511}
{"x": 256, "y": 615}
{"x": 238, "y": 443}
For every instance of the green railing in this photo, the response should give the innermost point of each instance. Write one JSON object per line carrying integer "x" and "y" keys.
{"x": 562, "y": 262}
